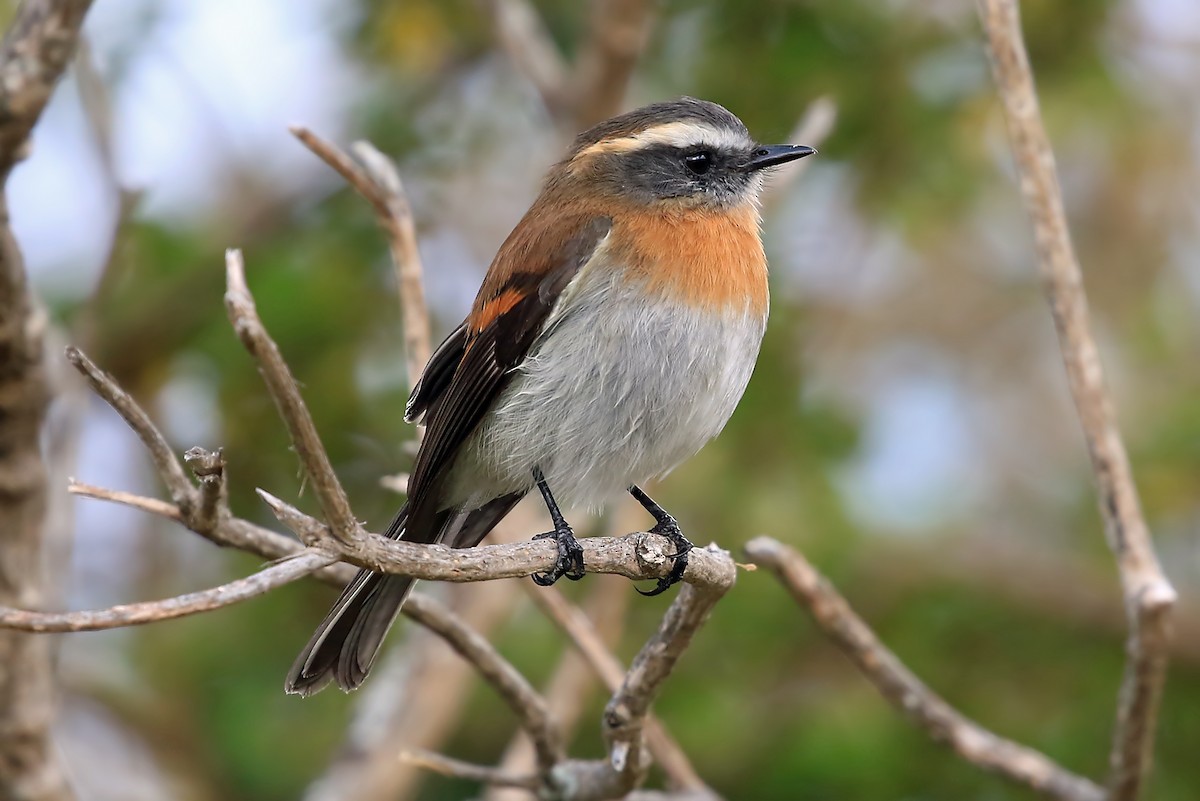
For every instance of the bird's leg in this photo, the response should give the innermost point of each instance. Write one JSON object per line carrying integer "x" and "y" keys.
{"x": 570, "y": 554}
{"x": 666, "y": 526}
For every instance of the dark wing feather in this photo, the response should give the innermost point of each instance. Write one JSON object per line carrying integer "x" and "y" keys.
{"x": 491, "y": 353}
{"x": 437, "y": 374}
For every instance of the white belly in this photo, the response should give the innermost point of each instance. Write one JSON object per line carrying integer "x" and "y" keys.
{"x": 610, "y": 397}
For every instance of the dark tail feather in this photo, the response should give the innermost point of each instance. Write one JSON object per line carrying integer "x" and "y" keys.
{"x": 344, "y": 646}
{"x": 346, "y": 643}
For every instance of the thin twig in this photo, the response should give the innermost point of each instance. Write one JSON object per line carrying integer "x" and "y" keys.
{"x": 905, "y": 691}
{"x": 401, "y": 232}
{"x": 152, "y": 505}
{"x": 572, "y": 622}
{"x": 375, "y": 178}
{"x": 180, "y": 487}
{"x": 572, "y": 681}
{"x": 192, "y": 603}
{"x": 514, "y": 688}
{"x": 455, "y": 768}
{"x": 626, "y": 712}
{"x": 283, "y": 390}
{"x": 1149, "y": 596}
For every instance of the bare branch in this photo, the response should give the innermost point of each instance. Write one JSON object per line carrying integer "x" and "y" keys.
{"x": 283, "y": 390}
{"x": 906, "y": 692}
{"x": 182, "y": 492}
{"x": 625, "y": 715}
{"x": 376, "y": 179}
{"x": 520, "y": 695}
{"x": 1149, "y": 596}
{"x": 458, "y": 769}
{"x": 192, "y": 603}
{"x": 406, "y": 256}
{"x": 36, "y": 49}
{"x": 639, "y": 555}
{"x": 209, "y": 469}
{"x": 665, "y": 750}
{"x": 152, "y": 505}
{"x": 572, "y": 681}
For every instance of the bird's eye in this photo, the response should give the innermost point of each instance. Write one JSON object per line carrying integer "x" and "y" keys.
{"x": 698, "y": 163}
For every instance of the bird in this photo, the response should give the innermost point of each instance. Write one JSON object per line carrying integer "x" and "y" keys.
{"x": 612, "y": 337}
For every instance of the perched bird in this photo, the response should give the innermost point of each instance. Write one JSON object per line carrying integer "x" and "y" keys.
{"x": 613, "y": 336}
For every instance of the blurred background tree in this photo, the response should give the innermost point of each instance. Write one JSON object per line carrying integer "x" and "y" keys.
{"x": 908, "y": 424}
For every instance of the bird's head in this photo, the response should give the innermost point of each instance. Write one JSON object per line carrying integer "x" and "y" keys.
{"x": 685, "y": 153}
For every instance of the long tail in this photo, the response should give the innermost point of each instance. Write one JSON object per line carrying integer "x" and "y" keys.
{"x": 346, "y": 643}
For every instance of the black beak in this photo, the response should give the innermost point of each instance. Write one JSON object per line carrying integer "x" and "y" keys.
{"x": 774, "y": 155}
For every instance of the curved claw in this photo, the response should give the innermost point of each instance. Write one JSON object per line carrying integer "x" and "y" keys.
{"x": 570, "y": 558}
{"x": 671, "y": 530}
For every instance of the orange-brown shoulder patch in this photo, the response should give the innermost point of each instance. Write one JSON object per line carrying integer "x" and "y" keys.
{"x": 491, "y": 309}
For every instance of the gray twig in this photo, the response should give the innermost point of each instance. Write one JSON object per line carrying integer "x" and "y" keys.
{"x": 376, "y": 179}
{"x": 192, "y": 603}
{"x": 455, "y": 768}
{"x": 1149, "y": 596}
{"x": 514, "y": 688}
{"x": 179, "y": 486}
{"x": 572, "y": 622}
{"x": 283, "y": 390}
{"x": 924, "y": 707}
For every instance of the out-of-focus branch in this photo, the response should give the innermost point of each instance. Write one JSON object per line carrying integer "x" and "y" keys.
{"x": 521, "y": 697}
{"x": 813, "y": 128}
{"x": 96, "y": 98}
{"x": 376, "y": 179}
{"x": 572, "y": 681}
{"x": 1149, "y": 596}
{"x": 522, "y": 35}
{"x": 617, "y": 36}
{"x": 415, "y": 701}
{"x": 243, "y": 315}
{"x": 572, "y": 622}
{"x": 192, "y": 603}
{"x": 36, "y": 50}
{"x": 33, "y": 55}
{"x": 626, "y": 713}
{"x": 926, "y": 709}
{"x": 446, "y": 766}
{"x": 593, "y": 88}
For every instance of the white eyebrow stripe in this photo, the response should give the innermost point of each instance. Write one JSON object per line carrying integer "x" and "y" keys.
{"x": 682, "y": 134}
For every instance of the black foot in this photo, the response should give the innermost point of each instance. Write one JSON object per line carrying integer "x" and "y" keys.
{"x": 570, "y": 558}
{"x": 667, "y": 527}
{"x": 570, "y": 554}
